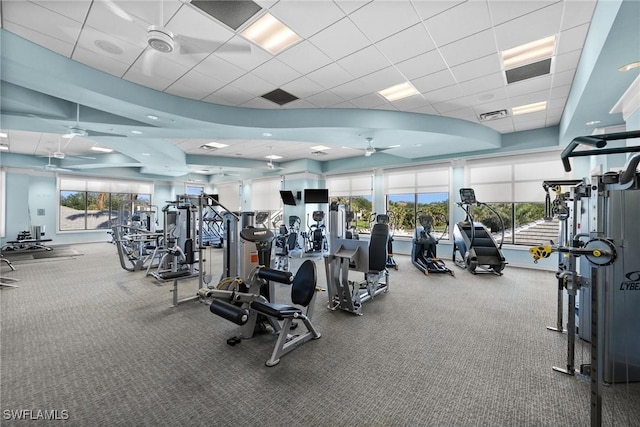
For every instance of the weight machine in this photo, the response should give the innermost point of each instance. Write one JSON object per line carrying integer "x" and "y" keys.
{"x": 389, "y": 220}
{"x": 612, "y": 272}
{"x": 344, "y": 254}
{"x": 135, "y": 235}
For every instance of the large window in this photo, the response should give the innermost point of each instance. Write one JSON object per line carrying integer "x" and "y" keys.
{"x": 85, "y": 205}
{"x": 362, "y": 209}
{"x": 356, "y": 193}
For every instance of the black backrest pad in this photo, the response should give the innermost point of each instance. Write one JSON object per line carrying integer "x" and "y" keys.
{"x": 304, "y": 284}
{"x": 378, "y": 247}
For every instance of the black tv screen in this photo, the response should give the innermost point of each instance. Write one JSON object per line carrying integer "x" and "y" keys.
{"x": 287, "y": 197}
{"x": 316, "y": 195}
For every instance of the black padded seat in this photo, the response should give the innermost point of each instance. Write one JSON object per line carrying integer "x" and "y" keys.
{"x": 378, "y": 248}
{"x": 279, "y": 311}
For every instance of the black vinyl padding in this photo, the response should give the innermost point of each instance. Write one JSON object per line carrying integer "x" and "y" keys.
{"x": 304, "y": 284}
{"x": 378, "y": 247}
{"x": 280, "y": 311}
{"x": 228, "y": 311}
{"x": 275, "y": 275}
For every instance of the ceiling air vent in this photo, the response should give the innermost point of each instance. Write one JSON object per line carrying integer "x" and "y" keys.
{"x": 318, "y": 153}
{"x": 530, "y": 71}
{"x": 493, "y": 115}
{"x": 208, "y": 147}
{"x": 279, "y": 96}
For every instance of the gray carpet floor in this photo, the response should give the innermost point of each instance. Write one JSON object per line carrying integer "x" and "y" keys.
{"x": 83, "y": 335}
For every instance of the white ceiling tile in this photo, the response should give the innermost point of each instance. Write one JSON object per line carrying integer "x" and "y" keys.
{"x": 148, "y": 11}
{"x": 185, "y": 91}
{"x": 45, "y": 21}
{"x": 412, "y": 103}
{"x": 276, "y": 72}
{"x": 470, "y": 17}
{"x": 382, "y": 79}
{"x": 304, "y": 57}
{"x": 445, "y": 107}
{"x": 76, "y": 10}
{"x": 345, "y": 104}
{"x": 444, "y": 94}
{"x": 245, "y": 60}
{"x": 572, "y": 39}
{"x": 103, "y": 20}
{"x": 577, "y": 12}
{"x": 489, "y": 64}
{"x": 506, "y": 10}
{"x": 501, "y": 125}
{"x": 189, "y": 22}
{"x": 388, "y": 106}
{"x": 529, "y": 98}
{"x": 434, "y": 81}
{"x": 560, "y": 92}
{"x": 364, "y": 62}
{"x": 330, "y": 76}
{"x": 299, "y": 103}
{"x": 303, "y": 87}
{"x": 340, "y": 39}
{"x": 350, "y": 90}
{"x": 533, "y": 26}
{"x": 308, "y": 17}
{"x": 373, "y": 19}
{"x": 425, "y": 109}
{"x": 556, "y": 103}
{"x": 465, "y": 113}
{"x": 422, "y": 65}
{"x": 253, "y": 84}
{"x": 427, "y": 9}
{"x": 470, "y": 48}
{"x": 563, "y": 78}
{"x": 258, "y": 103}
{"x": 53, "y": 44}
{"x": 325, "y": 99}
{"x": 155, "y": 64}
{"x": 537, "y": 84}
{"x": 96, "y": 60}
{"x": 371, "y": 100}
{"x": 216, "y": 66}
{"x": 204, "y": 83}
{"x": 90, "y": 38}
{"x": 406, "y": 44}
{"x": 229, "y": 95}
{"x": 522, "y": 125}
{"x": 484, "y": 83}
{"x": 567, "y": 61}
{"x": 157, "y": 82}
{"x": 349, "y": 6}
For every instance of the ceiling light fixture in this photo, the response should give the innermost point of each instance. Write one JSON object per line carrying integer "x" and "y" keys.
{"x": 136, "y": 132}
{"x": 320, "y": 147}
{"x": 593, "y": 122}
{"x": 273, "y": 157}
{"x": 267, "y": 134}
{"x": 3, "y": 135}
{"x": 403, "y": 90}
{"x": 271, "y": 34}
{"x": 630, "y": 66}
{"x": 214, "y": 144}
{"x": 529, "y": 108}
{"x": 529, "y": 52}
{"x": 102, "y": 149}
{"x": 4, "y": 147}
{"x": 152, "y": 117}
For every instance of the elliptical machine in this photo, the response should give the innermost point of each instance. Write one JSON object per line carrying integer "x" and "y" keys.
{"x": 473, "y": 242}
{"x": 316, "y": 241}
{"x": 423, "y": 251}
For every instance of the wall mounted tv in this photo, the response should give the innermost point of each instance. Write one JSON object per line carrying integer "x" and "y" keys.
{"x": 287, "y": 197}
{"x": 316, "y": 195}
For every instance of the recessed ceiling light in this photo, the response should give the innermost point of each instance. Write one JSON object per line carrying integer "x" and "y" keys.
{"x": 267, "y": 134}
{"x": 102, "y": 149}
{"x": 273, "y": 157}
{"x": 108, "y": 47}
{"x": 418, "y": 145}
{"x": 152, "y": 117}
{"x": 529, "y": 108}
{"x": 146, "y": 154}
{"x": 214, "y": 144}
{"x": 271, "y": 34}
{"x": 394, "y": 146}
{"x": 529, "y": 52}
{"x": 201, "y": 171}
{"x": 403, "y": 90}
{"x": 4, "y": 147}
{"x": 592, "y": 122}
{"x": 3, "y": 135}
{"x": 630, "y": 66}
{"x": 320, "y": 147}
{"x": 136, "y": 132}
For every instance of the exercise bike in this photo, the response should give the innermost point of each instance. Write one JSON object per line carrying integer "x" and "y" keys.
{"x": 423, "y": 251}
{"x": 473, "y": 242}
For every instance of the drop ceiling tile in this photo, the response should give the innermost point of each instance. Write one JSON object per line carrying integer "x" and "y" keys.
{"x": 96, "y": 60}
{"x": 304, "y": 57}
{"x": 345, "y": 104}
{"x": 484, "y": 83}
{"x": 76, "y": 10}
{"x": 364, "y": 62}
{"x": 154, "y": 64}
{"x": 303, "y": 87}
{"x": 205, "y": 30}
{"x": 299, "y": 103}
{"x": 560, "y": 92}
{"x": 572, "y": 39}
{"x": 445, "y": 107}
{"x": 542, "y": 23}
{"x": 406, "y": 44}
{"x": 469, "y": 18}
{"x": 216, "y": 66}
{"x": 340, "y": 39}
{"x": 149, "y": 12}
{"x": 465, "y": 113}
{"x": 259, "y": 102}
{"x": 502, "y": 11}
{"x": 529, "y": 98}
{"x": 425, "y": 109}
{"x": 276, "y": 72}
{"x": 469, "y": 48}
{"x": 387, "y": 107}
{"x": 325, "y": 99}
{"x": 533, "y": 123}
{"x": 101, "y": 19}
{"x": 486, "y": 65}
{"x": 413, "y": 103}
{"x": 434, "y": 81}
{"x": 567, "y": 61}
{"x": 427, "y": 9}
{"x": 577, "y": 13}
{"x": 330, "y": 76}
{"x": 350, "y": 90}
{"x": 253, "y": 84}
{"x": 184, "y": 91}
{"x": 53, "y": 44}
{"x": 370, "y": 100}
{"x": 349, "y": 6}
{"x": 563, "y": 78}
{"x": 204, "y": 83}
{"x": 382, "y": 79}
{"x": 422, "y": 65}
{"x": 537, "y": 84}
{"x": 39, "y": 19}
{"x": 157, "y": 82}
{"x": 309, "y": 17}
{"x": 229, "y": 95}
{"x": 90, "y": 39}
{"x": 501, "y": 125}
{"x": 373, "y": 19}
{"x": 556, "y": 103}
{"x": 245, "y": 60}
{"x": 444, "y": 94}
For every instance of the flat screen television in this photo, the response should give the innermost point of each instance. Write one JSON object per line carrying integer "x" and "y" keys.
{"x": 287, "y": 197}
{"x": 316, "y": 195}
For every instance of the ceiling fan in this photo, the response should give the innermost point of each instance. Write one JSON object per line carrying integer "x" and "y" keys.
{"x": 76, "y": 130}
{"x": 50, "y": 167}
{"x": 160, "y": 40}
{"x": 60, "y": 154}
{"x": 370, "y": 149}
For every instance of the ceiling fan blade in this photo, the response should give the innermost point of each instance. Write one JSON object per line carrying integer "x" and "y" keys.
{"x": 117, "y": 10}
{"x": 149, "y": 61}
{"x": 96, "y": 133}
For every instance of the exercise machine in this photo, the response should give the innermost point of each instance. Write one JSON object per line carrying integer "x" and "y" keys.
{"x": 316, "y": 241}
{"x": 609, "y": 242}
{"x": 475, "y": 245}
{"x": 135, "y": 235}
{"x": 389, "y": 220}
{"x": 344, "y": 254}
{"x": 351, "y": 232}
{"x": 424, "y": 248}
